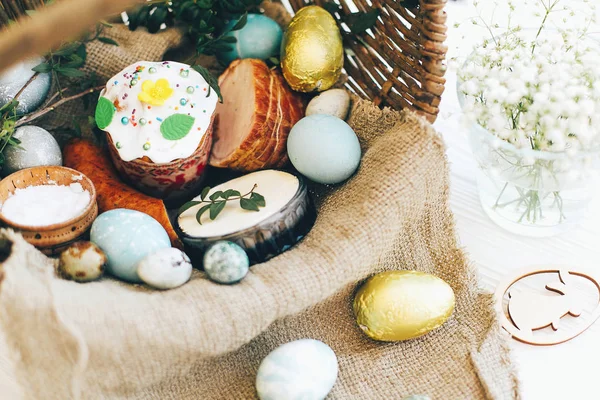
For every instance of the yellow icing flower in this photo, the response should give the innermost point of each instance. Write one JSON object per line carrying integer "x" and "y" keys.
{"x": 155, "y": 93}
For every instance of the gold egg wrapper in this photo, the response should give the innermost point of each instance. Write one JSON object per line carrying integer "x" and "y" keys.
{"x": 312, "y": 52}
{"x": 400, "y": 305}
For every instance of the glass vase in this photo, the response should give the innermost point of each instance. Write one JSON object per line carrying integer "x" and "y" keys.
{"x": 529, "y": 192}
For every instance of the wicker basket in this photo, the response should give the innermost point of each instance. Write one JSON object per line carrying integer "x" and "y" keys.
{"x": 401, "y": 61}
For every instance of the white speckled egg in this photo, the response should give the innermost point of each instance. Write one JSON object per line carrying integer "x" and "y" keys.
{"x": 82, "y": 262}
{"x": 127, "y": 237}
{"x": 324, "y": 148}
{"x": 334, "y": 102}
{"x": 165, "y": 269}
{"x": 226, "y": 262}
{"x": 304, "y": 369}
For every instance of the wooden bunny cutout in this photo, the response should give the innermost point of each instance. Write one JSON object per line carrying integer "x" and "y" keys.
{"x": 530, "y": 311}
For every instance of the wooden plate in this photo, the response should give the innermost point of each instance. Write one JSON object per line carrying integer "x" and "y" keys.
{"x": 51, "y": 239}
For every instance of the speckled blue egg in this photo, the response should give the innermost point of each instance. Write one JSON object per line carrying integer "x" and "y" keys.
{"x": 304, "y": 369}
{"x": 260, "y": 38}
{"x": 127, "y": 237}
{"x": 226, "y": 262}
{"x": 324, "y": 149}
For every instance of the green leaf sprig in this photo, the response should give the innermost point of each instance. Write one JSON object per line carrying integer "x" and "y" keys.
{"x": 70, "y": 57}
{"x": 203, "y": 20}
{"x": 8, "y": 118}
{"x": 215, "y": 203}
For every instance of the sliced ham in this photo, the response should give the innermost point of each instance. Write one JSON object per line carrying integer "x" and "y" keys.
{"x": 254, "y": 121}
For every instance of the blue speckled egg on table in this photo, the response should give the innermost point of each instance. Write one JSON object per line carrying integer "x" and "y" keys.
{"x": 226, "y": 262}
{"x": 260, "y": 38}
{"x": 304, "y": 369}
{"x": 127, "y": 237}
{"x": 324, "y": 148}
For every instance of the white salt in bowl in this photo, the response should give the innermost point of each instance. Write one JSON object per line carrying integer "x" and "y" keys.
{"x": 51, "y": 239}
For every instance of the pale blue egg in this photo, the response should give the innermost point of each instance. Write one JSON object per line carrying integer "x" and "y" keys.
{"x": 324, "y": 149}
{"x": 127, "y": 237}
{"x": 260, "y": 38}
{"x": 304, "y": 369}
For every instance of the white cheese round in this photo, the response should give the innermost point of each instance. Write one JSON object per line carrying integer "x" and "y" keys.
{"x": 277, "y": 187}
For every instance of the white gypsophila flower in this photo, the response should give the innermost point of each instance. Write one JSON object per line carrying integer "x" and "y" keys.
{"x": 542, "y": 94}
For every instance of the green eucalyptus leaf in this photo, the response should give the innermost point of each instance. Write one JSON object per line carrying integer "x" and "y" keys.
{"x": 248, "y": 204}
{"x": 187, "y": 206}
{"x": 229, "y": 39}
{"x": 210, "y": 79}
{"x": 42, "y": 68}
{"x": 231, "y": 193}
{"x": 201, "y": 211}
{"x": 258, "y": 199}
{"x": 82, "y": 52}
{"x": 69, "y": 72}
{"x": 8, "y": 107}
{"x": 67, "y": 50}
{"x": 177, "y": 126}
{"x": 216, "y": 208}
{"x": 240, "y": 23}
{"x": 107, "y": 40}
{"x": 216, "y": 195}
{"x": 75, "y": 62}
{"x": 204, "y": 192}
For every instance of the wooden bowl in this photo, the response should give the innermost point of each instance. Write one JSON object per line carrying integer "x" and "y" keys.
{"x": 51, "y": 239}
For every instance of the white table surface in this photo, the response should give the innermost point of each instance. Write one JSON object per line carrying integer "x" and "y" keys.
{"x": 566, "y": 371}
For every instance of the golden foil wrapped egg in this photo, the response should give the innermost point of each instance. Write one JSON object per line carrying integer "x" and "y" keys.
{"x": 312, "y": 53}
{"x": 400, "y": 305}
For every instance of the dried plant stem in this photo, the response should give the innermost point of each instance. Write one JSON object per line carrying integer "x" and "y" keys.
{"x": 30, "y": 37}
{"x": 33, "y": 77}
{"x": 40, "y": 113}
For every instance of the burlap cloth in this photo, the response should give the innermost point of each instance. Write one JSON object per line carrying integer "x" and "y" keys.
{"x": 107, "y": 339}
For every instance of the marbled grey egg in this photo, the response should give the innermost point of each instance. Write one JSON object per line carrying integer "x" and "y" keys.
{"x": 165, "y": 269}
{"x": 15, "y": 78}
{"x": 334, "y": 102}
{"x": 304, "y": 369}
{"x": 38, "y": 147}
{"x": 226, "y": 262}
{"x": 82, "y": 262}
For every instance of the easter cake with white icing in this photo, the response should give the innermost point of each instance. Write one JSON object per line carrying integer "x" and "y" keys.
{"x": 159, "y": 121}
